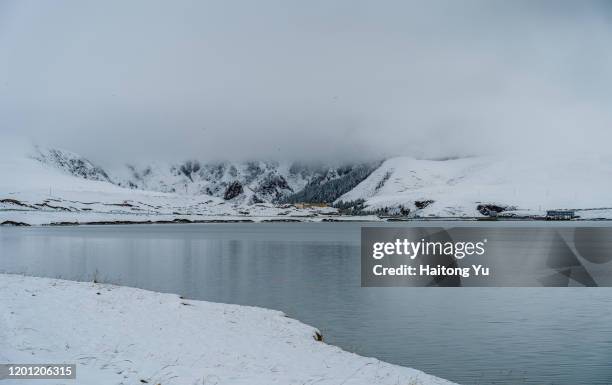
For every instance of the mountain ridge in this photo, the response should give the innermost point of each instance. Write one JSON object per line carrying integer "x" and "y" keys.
{"x": 248, "y": 182}
{"x": 401, "y": 186}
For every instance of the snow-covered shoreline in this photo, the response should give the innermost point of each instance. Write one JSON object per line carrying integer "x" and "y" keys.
{"x": 122, "y": 335}
{"x": 55, "y": 218}
{"x": 59, "y": 218}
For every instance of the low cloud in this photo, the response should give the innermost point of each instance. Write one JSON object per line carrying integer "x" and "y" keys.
{"x": 320, "y": 80}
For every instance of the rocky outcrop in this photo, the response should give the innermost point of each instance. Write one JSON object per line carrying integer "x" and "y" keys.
{"x": 233, "y": 190}
{"x": 490, "y": 209}
{"x": 274, "y": 187}
{"x": 422, "y": 204}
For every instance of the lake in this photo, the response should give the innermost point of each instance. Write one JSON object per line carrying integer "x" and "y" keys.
{"x": 311, "y": 271}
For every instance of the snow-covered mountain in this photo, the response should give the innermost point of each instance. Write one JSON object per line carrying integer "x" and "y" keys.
{"x": 47, "y": 185}
{"x": 240, "y": 182}
{"x": 38, "y": 179}
{"x": 479, "y": 185}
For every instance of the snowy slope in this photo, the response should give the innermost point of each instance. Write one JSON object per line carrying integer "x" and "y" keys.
{"x": 70, "y": 162}
{"x": 42, "y": 186}
{"x": 458, "y": 186}
{"x": 28, "y": 170}
{"x": 171, "y": 341}
{"x": 38, "y": 181}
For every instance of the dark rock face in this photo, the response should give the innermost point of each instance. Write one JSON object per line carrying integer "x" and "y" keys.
{"x": 233, "y": 190}
{"x": 274, "y": 186}
{"x": 423, "y": 204}
{"x": 490, "y": 209}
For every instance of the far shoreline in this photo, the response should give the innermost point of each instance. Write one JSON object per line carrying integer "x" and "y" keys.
{"x": 260, "y": 220}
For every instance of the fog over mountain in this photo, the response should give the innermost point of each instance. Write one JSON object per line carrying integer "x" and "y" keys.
{"x": 317, "y": 80}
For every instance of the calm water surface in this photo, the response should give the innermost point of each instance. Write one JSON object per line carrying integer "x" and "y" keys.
{"x": 311, "y": 272}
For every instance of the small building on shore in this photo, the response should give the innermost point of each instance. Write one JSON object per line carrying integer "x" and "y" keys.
{"x": 560, "y": 215}
{"x": 308, "y": 205}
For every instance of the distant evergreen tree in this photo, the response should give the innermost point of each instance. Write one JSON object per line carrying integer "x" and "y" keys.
{"x": 384, "y": 180}
{"x": 356, "y": 207}
{"x": 328, "y": 187}
{"x": 189, "y": 168}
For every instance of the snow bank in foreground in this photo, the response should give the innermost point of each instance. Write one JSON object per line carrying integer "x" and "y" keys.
{"x": 120, "y": 335}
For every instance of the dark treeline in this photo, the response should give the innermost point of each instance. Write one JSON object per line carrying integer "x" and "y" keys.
{"x": 333, "y": 184}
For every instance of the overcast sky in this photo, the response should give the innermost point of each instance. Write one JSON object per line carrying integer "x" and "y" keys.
{"x": 329, "y": 79}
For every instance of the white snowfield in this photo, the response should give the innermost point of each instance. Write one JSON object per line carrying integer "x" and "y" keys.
{"x": 120, "y": 335}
